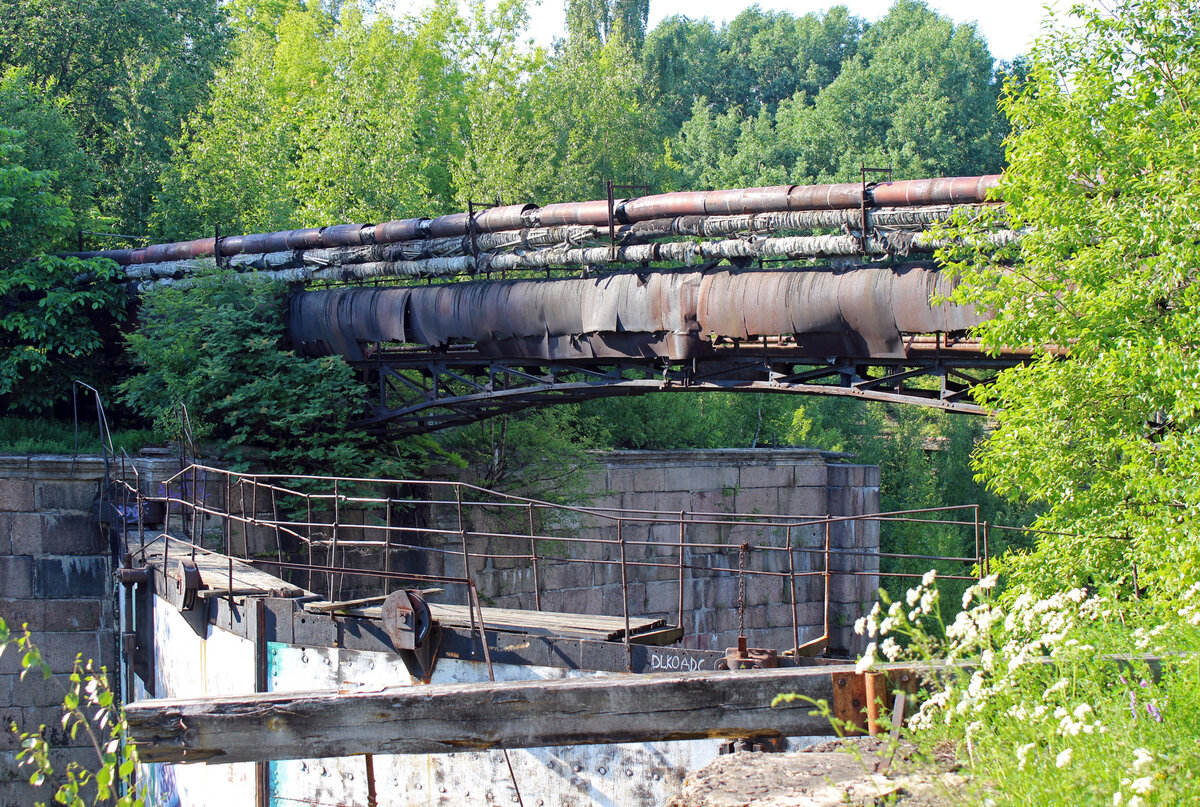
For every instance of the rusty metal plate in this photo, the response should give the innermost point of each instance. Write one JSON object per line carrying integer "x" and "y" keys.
{"x": 850, "y": 699}
{"x": 507, "y": 217}
{"x": 865, "y": 302}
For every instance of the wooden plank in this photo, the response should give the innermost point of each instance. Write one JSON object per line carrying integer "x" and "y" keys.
{"x": 213, "y": 567}
{"x": 545, "y": 623}
{"x": 658, "y": 638}
{"x": 461, "y": 717}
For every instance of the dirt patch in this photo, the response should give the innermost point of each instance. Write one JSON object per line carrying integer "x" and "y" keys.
{"x": 860, "y": 770}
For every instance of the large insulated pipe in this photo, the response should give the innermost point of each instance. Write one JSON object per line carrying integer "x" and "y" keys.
{"x": 737, "y": 201}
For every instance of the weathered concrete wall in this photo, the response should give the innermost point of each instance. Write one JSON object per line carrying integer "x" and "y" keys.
{"x": 55, "y": 577}
{"x": 705, "y": 486}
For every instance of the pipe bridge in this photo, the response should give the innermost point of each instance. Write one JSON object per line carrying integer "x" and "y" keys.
{"x": 451, "y": 354}
{"x": 857, "y": 308}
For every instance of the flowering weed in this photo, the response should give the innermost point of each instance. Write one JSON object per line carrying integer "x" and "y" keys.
{"x": 1075, "y": 698}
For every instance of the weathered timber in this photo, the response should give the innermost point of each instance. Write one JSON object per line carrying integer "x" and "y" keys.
{"x": 214, "y": 568}
{"x": 443, "y": 718}
{"x": 599, "y": 627}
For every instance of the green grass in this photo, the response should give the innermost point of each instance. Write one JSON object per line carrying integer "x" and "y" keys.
{"x": 25, "y": 435}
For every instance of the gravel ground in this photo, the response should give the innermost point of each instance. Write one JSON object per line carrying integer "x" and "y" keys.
{"x": 859, "y": 770}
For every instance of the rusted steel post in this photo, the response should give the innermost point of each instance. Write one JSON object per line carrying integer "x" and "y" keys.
{"x": 826, "y": 617}
{"x": 876, "y": 686}
{"x": 372, "y": 798}
{"x": 308, "y": 532}
{"x": 987, "y": 558}
{"x": 625, "y": 594}
{"x": 682, "y": 538}
{"x": 462, "y": 534}
{"x": 533, "y": 553}
{"x": 978, "y": 565}
{"x": 337, "y": 511}
{"x": 262, "y": 770}
{"x": 795, "y": 605}
{"x": 387, "y": 545}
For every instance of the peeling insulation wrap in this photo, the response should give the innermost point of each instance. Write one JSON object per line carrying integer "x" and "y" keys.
{"x": 862, "y": 312}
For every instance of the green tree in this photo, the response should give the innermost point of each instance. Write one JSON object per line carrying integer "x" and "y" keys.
{"x": 216, "y": 348}
{"x": 55, "y": 314}
{"x": 319, "y": 119}
{"x": 560, "y": 126}
{"x": 919, "y": 93}
{"x": 127, "y": 72}
{"x": 1101, "y": 183}
{"x": 602, "y": 21}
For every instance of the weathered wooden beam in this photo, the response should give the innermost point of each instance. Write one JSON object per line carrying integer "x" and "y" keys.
{"x": 465, "y": 717}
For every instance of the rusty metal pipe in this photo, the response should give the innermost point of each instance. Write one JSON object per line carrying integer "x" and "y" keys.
{"x": 737, "y": 201}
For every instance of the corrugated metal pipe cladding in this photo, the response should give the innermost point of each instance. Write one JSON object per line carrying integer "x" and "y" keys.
{"x": 738, "y": 201}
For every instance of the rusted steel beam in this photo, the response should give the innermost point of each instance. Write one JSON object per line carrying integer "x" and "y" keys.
{"x": 738, "y": 201}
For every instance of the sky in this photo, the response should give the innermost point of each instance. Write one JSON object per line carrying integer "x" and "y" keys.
{"x": 1009, "y": 26}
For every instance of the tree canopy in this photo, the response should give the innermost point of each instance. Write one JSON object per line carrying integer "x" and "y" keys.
{"x": 1104, "y": 427}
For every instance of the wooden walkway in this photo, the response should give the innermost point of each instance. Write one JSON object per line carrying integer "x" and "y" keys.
{"x": 222, "y": 576}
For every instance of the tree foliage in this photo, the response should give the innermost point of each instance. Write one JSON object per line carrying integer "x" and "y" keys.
{"x": 918, "y": 94}
{"x": 559, "y": 126}
{"x": 216, "y": 349}
{"x": 319, "y": 119}
{"x": 55, "y": 313}
{"x": 1104, "y": 426}
{"x": 126, "y": 72}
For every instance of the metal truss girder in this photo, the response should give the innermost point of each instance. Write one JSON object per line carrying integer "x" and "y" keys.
{"x": 444, "y": 397}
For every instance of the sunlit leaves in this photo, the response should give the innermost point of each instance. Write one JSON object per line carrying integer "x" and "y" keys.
{"x": 1102, "y": 183}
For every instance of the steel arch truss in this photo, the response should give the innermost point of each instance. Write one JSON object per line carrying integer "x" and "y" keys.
{"x": 430, "y": 391}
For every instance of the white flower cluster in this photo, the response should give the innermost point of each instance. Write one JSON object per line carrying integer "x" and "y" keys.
{"x": 1143, "y": 760}
{"x": 1034, "y": 629}
{"x": 1191, "y": 605}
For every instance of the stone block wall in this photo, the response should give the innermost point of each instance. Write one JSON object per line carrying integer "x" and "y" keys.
{"x": 725, "y": 590}
{"x": 55, "y": 577}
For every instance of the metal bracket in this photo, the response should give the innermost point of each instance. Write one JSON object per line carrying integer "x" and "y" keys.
{"x": 748, "y": 658}
{"x": 865, "y": 231}
{"x": 610, "y": 186}
{"x": 406, "y": 619}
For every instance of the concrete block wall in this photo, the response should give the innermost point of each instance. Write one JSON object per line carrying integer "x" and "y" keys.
{"x": 707, "y": 486}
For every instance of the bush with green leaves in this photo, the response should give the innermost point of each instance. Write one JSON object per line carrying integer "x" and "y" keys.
{"x": 215, "y": 346}
{"x": 90, "y": 710}
{"x": 1103, "y": 427}
{"x": 55, "y": 313}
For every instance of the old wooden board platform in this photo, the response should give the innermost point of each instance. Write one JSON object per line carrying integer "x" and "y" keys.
{"x": 462, "y": 717}
{"x": 542, "y": 623}
{"x": 215, "y": 569}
